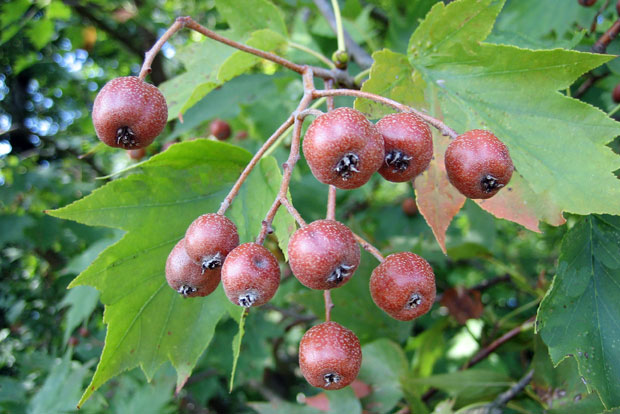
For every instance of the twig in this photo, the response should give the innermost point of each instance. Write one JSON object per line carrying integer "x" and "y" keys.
{"x": 248, "y": 169}
{"x": 293, "y": 211}
{"x": 329, "y": 84}
{"x": 369, "y": 247}
{"x": 358, "y": 54}
{"x": 443, "y": 128}
{"x": 331, "y": 203}
{"x": 150, "y": 55}
{"x": 601, "y": 44}
{"x": 329, "y": 305}
{"x": 598, "y": 13}
{"x": 310, "y": 111}
{"x": 501, "y": 400}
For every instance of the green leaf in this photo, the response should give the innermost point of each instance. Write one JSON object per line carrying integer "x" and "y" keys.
{"x": 148, "y": 323}
{"x": 344, "y": 401}
{"x": 283, "y": 407}
{"x": 463, "y": 382}
{"x": 246, "y": 16}
{"x": 579, "y": 314}
{"x": 383, "y": 365}
{"x": 82, "y": 301}
{"x": 236, "y": 347}
{"x": 40, "y": 32}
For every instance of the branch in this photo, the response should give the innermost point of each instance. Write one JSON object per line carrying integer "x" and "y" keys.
{"x": 443, "y": 128}
{"x": 501, "y": 400}
{"x": 358, "y": 54}
{"x": 601, "y": 44}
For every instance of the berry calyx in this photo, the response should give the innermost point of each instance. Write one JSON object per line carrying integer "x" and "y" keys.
{"x": 403, "y": 285}
{"x": 250, "y": 275}
{"x": 129, "y": 113}
{"x": 188, "y": 278}
{"x": 330, "y": 356}
{"x": 343, "y": 148}
{"x": 408, "y": 144}
{"x": 324, "y": 254}
{"x": 220, "y": 129}
{"x": 478, "y": 164}
{"x": 209, "y": 239}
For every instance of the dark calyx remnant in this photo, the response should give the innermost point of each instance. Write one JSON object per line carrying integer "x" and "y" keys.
{"x": 490, "y": 184}
{"x": 414, "y": 301}
{"x": 397, "y": 160}
{"x": 186, "y": 290}
{"x": 247, "y": 299}
{"x": 331, "y": 378}
{"x": 339, "y": 274}
{"x": 212, "y": 262}
{"x": 126, "y": 137}
{"x": 347, "y": 165}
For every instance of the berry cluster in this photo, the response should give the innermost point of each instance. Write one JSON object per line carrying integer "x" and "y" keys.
{"x": 343, "y": 149}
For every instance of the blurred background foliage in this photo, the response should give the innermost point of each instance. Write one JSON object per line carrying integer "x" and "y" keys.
{"x": 55, "y": 55}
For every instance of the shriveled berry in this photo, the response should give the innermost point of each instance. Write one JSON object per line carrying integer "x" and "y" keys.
{"x": 137, "y": 154}
{"x": 129, "y": 113}
{"x": 330, "y": 356}
{"x": 188, "y": 278}
{"x": 250, "y": 275}
{"x": 343, "y": 148}
{"x": 478, "y": 164}
{"x": 403, "y": 285}
{"x": 209, "y": 239}
{"x": 408, "y": 144}
{"x": 324, "y": 254}
{"x": 220, "y": 129}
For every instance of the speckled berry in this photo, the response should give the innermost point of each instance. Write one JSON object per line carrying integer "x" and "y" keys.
{"x": 209, "y": 239}
{"x": 343, "y": 148}
{"x": 408, "y": 144}
{"x": 330, "y": 356}
{"x": 129, "y": 113}
{"x": 220, "y": 129}
{"x": 478, "y": 164}
{"x": 403, "y": 285}
{"x": 188, "y": 278}
{"x": 250, "y": 275}
{"x": 324, "y": 254}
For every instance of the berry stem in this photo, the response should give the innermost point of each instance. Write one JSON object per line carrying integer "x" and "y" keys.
{"x": 443, "y": 128}
{"x": 331, "y": 203}
{"x": 339, "y": 30}
{"x": 248, "y": 169}
{"x": 310, "y": 111}
{"x": 293, "y": 211}
{"x": 369, "y": 247}
{"x": 308, "y": 81}
{"x": 312, "y": 52}
{"x": 329, "y": 305}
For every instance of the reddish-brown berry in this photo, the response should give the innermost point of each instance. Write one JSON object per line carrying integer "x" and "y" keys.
{"x": 137, "y": 154}
{"x": 250, "y": 275}
{"x": 209, "y": 239}
{"x": 618, "y": 7}
{"x": 84, "y": 332}
{"x": 188, "y": 278}
{"x": 343, "y": 148}
{"x": 615, "y": 95}
{"x": 409, "y": 206}
{"x": 324, "y": 254}
{"x": 408, "y": 144}
{"x": 330, "y": 356}
{"x": 74, "y": 341}
{"x": 478, "y": 164}
{"x": 129, "y": 113}
{"x": 220, "y": 129}
{"x": 587, "y": 3}
{"x": 403, "y": 285}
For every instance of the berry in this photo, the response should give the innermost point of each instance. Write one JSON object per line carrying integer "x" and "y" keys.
{"x": 74, "y": 341}
{"x": 408, "y": 146}
{"x": 84, "y": 332}
{"x": 615, "y": 95}
{"x": 478, "y": 164}
{"x": 409, "y": 206}
{"x": 330, "y": 356}
{"x": 136, "y": 154}
{"x": 618, "y": 7}
{"x": 324, "y": 254}
{"x": 188, "y": 278}
{"x": 129, "y": 113}
{"x": 209, "y": 239}
{"x": 250, "y": 275}
{"x": 219, "y": 129}
{"x": 343, "y": 148}
{"x": 587, "y": 3}
{"x": 403, "y": 285}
